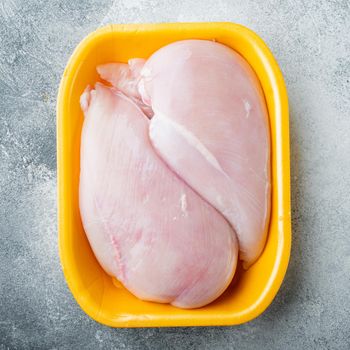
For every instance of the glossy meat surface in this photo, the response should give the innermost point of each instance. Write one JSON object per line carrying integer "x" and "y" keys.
{"x": 145, "y": 225}
{"x": 175, "y": 171}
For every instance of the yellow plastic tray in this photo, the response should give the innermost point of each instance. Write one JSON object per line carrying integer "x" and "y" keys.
{"x": 101, "y": 298}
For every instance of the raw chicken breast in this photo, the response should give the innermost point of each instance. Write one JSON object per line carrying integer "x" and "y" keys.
{"x": 210, "y": 126}
{"x": 146, "y": 226}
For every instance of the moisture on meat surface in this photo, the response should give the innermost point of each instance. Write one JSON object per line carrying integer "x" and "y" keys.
{"x": 175, "y": 171}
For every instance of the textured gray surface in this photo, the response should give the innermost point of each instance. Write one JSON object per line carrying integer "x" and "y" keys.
{"x": 310, "y": 39}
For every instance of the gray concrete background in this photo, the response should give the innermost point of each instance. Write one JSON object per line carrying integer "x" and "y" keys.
{"x": 311, "y": 42}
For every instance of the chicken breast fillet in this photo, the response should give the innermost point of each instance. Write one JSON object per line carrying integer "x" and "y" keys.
{"x": 146, "y": 226}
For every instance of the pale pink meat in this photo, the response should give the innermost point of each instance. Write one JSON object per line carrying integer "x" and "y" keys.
{"x": 145, "y": 225}
{"x": 175, "y": 171}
